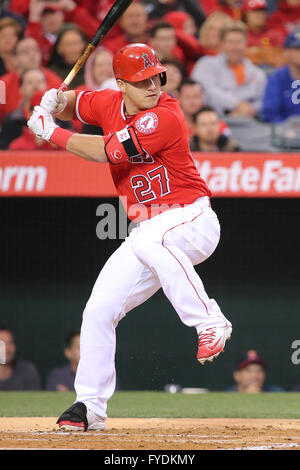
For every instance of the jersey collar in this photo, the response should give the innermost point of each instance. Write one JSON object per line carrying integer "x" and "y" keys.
{"x": 123, "y": 110}
{"x": 125, "y": 118}
{"x": 123, "y": 114}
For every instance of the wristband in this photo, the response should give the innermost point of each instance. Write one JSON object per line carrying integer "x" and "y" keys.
{"x": 60, "y": 137}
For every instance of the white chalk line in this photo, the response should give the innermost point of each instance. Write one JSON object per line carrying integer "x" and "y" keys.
{"x": 178, "y": 438}
{"x": 266, "y": 447}
{"x": 40, "y": 448}
{"x": 166, "y": 439}
{"x": 195, "y": 442}
{"x": 91, "y": 434}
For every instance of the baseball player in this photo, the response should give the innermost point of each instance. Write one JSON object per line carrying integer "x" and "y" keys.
{"x": 146, "y": 143}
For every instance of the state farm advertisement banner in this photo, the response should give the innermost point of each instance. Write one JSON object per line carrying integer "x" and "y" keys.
{"x": 52, "y": 173}
{"x": 55, "y": 173}
{"x": 251, "y": 175}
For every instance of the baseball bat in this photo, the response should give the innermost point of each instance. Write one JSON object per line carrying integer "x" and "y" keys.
{"x": 110, "y": 19}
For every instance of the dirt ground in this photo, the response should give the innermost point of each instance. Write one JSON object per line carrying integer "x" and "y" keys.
{"x": 154, "y": 434}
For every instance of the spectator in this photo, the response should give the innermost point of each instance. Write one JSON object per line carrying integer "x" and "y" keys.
{"x": 287, "y": 16}
{"x": 182, "y": 21}
{"x": 158, "y": 8}
{"x": 6, "y": 13}
{"x": 164, "y": 42}
{"x": 186, "y": 40}
{"x": 44, "y": 22}
{"x": 20, "y": 7}
{"x": 98, "y": 69}
{"x": 264, "y": 45}
{"x": 191, "y": 101}
{"x": 133, "y": 24}
{"x": 208, "y": 133}
{"x": 250, "y": 375}
{"x": 278, "y": 102}
{"x": 98, "y": 75}
{"x": 85, "y": 13}
{"x": 61, "y": 379}
{"x": 232, "y": 84}
{"x": 16, "y": 374}
{"x": 272, "y": 5}
{"x": 97, "y": 9}
{"x": 28, "y": 56}
{"x": 175, "y": 75}
{"x": 31, "y": 81}
{"x": 209, "y": 6}
{"x": 10, "y": 33}
{"x": 231, "y": 8}
{"x": 68, "y": 47}
{"x": 210, "y": 32}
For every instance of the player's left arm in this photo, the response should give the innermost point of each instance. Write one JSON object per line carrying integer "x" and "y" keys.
{"x": 89, "y": 147}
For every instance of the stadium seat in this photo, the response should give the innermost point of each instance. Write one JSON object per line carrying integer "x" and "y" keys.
{"x": 251, "y": 134}
{"x": 286, "y": 135}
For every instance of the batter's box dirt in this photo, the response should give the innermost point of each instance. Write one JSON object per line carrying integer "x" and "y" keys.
{"x": 154, "y": 434}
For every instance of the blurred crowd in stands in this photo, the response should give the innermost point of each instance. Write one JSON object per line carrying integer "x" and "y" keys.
{"x": 229, "y": 61}
{"x": 249, "y": 372}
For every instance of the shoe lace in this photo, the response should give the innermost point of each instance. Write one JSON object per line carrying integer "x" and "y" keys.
{"x": 207, "y": 336}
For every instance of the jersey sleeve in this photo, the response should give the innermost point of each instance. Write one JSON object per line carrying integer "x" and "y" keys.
{"x": 90, "y": 106}
{"x": 157, "y": 130}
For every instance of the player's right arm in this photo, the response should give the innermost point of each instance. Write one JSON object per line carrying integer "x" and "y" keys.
{"x": 56, "y": 104}
{"x": 88, "y": 147}
{"x": 117, "y": 147}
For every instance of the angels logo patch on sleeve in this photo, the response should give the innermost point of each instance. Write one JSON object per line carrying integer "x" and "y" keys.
{"x": 147, "y": 123}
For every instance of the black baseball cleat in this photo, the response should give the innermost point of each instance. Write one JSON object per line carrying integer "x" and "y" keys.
{"x": 79, "y": 418}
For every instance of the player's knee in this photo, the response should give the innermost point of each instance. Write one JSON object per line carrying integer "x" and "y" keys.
{"x": 103, "y": 310}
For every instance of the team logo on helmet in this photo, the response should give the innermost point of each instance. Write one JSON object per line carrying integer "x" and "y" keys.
{"x": 147, "y": 123}
{"x": 147, "y": 61}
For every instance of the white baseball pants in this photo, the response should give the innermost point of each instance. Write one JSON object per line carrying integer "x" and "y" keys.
{"x": 159, "y": 252}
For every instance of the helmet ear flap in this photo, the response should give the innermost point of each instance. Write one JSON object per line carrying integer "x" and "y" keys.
{"x": 163, "y": 78}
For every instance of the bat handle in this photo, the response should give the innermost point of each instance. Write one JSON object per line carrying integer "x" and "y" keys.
{"x": 63, "y": 87}
{"x": 78, "y": 66}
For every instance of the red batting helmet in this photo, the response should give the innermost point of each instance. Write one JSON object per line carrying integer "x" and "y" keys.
{"x": 137, "y": 62}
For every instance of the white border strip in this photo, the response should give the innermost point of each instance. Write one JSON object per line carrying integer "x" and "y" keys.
{"x": 77, "y": 108}
{"x": 123, "y": 110}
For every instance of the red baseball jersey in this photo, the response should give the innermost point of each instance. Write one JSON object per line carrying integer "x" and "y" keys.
{"x": 165, "y": 175}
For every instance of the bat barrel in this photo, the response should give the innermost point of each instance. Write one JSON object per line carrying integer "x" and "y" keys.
{"x": 111, "y": 18}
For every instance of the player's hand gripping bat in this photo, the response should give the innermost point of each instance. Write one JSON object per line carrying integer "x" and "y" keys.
{"x": 110, "y": 19}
